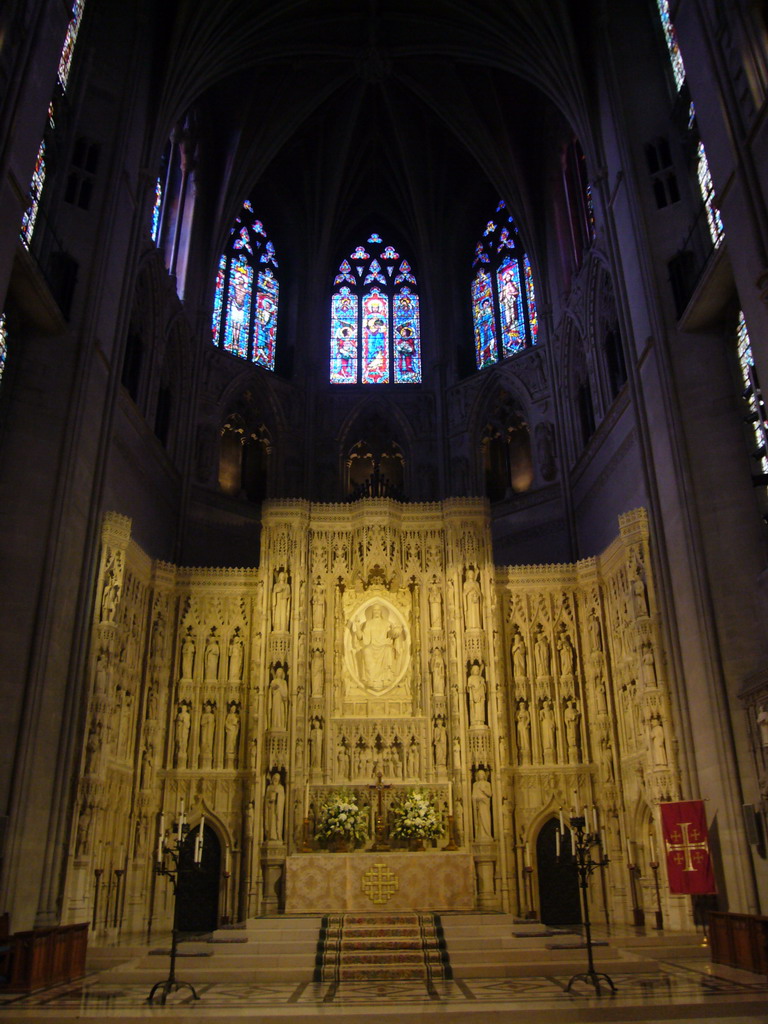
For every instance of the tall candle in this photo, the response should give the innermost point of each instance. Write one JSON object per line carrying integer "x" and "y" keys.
{"x": 306, "y": 800}
{"x": 200, "y": 834}
{"x": 573, "y": 842}
{"x": 450, "y": 799}
{"x": 557, "y": 845}
{"x": 595, "y": 828}
{"x": 561, "y": 820}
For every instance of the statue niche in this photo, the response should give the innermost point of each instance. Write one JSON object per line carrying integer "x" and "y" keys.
{"x": 377, "y": 646}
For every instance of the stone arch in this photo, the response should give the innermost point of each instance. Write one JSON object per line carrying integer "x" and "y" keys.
{"x": 375, "y": 453}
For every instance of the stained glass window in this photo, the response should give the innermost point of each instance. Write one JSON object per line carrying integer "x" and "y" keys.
{"x": 375, "y": 327}
{"x": 245, "y": 298}
{"x": 503, "y": 301}
{"x": 706, "y": 186}
{"x": 156, "y": 209}
{"x": 758, "y": 413}
{"x": 3, "y": 344}
{"x": 29, "y": 219}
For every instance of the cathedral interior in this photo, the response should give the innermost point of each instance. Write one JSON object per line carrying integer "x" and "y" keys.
{"x": 380, "y": 410}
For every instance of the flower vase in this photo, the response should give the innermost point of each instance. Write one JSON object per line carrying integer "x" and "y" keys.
{"x": 415, "y": 843}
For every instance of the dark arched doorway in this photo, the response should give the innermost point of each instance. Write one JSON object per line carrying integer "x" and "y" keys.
{"x": 198, "y": 893}
{"x": 558, "y": 883}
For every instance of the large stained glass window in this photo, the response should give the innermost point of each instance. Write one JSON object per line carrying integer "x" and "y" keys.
{"x": 29, "y": 219}
{"x": 375, "y": 332}
{"x": 245, "y": 298}
{"x": 503, "y": 300}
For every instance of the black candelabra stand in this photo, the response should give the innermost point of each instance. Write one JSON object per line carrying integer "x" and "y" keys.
{"x": 582, "y": 843}
{"x": 169, "y": 864}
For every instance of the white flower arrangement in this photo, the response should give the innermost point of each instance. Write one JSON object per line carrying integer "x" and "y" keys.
{"x": 341, "y": 818}
{"x": 416, "y": 817}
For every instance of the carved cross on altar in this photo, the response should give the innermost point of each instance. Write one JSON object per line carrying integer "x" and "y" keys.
{"x": 380, "y": 836}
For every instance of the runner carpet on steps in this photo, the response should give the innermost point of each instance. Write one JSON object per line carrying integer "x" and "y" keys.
{"x": 393, "y": 947}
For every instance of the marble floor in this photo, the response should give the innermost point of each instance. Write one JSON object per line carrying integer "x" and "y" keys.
{"x": 678, "y": 989}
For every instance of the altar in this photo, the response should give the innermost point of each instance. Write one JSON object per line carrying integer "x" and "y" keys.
{"x": 342, "y": 882}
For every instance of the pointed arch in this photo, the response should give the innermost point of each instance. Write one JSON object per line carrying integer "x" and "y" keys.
{"x": 246, "y": 292}
{"x": 503, "y": 298}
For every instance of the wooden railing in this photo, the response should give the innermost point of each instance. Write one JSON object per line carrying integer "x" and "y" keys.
{"x": 739, "y": 940}
{"x": 47, "y": 956}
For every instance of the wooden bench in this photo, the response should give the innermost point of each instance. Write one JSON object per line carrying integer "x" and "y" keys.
{"x": 47, "y": 956}
{"x": 739, "y": 940}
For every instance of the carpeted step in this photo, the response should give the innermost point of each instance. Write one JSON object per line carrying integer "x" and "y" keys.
{"x": 401, "y": 947}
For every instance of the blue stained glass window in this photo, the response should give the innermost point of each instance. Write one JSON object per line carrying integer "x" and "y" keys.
{"x": 510, "y": 306}
{"x": 35, "y": 192}
{"x": 503, "y": 302}
{"x": 156, "y": 209}
{"x": 344, "y": 337}
{"x": 375, "y": 331}
{"x": 406, "y": 335}
{"x": 486, "y": 349}
{"x": 3, "y": 344}
{"x": 65, "y": 61}
{"x": 246, "y": 293}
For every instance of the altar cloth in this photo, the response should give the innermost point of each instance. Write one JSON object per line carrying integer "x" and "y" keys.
{"x": 320, "y": 883}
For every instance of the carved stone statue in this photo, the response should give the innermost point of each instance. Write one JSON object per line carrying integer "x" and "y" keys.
{"x": 481, "y": 804}
{"x": 595, "y": 637}
{"x": 109, "y": 598}
{"x": 472, "y": 600}
{"x": 457, "y": 762}
{"x": 317, "y": 672}
{"x": 236, "y": 656}
{"x": 435, "y": 606}
{"x": 571, "y": 716}
{"x": 547, "y": 719}
{"x": 519, "y": 657}
{"x": 658, "y": 743}
{"x": 101, "y": 675}
{"x": 212, "y": 653}
{"x": 639, "y": 596}
{"x": 281, "y": 603}
{"x": 342, "y": 761}
{"x": 83, "y": 829}
{"x": 523, "y": 719}
{"x": 440, "y": 744}
{"x": 437, "y": 668}
{"x": 542, "y": 654}
{"x": 567, "y": 656}
{"x": 231, "y": 734}
{"x": 316, "y": 743}
{"x": 274, "y": 809}
{"x": 183, "y": 722}
{"x": 187, "y": 656}
{"x": 477, "y": 691}
{"x": 606, "y": 761}
{"x": 318, "y": 605}
{"x": 413, "y": 760}
{"x": 207, "y": 729}
{"x": 278, "y": 719}
{"x": 147, "y": 767}
{"x": 93, "y": 747}
{"x": 649, "y": 665}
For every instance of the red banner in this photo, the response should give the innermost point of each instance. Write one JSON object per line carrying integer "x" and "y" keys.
{"x": 686, "y": 844}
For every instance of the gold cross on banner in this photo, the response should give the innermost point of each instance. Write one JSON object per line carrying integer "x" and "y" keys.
{"x": 683, "y": 844}
{"x": 380, "y": 884}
